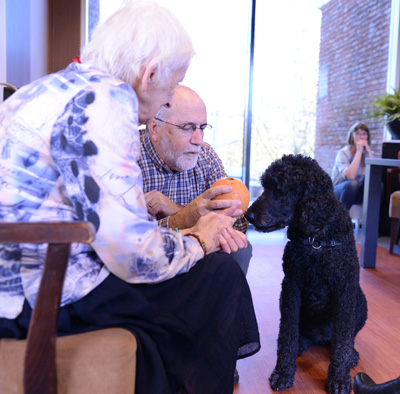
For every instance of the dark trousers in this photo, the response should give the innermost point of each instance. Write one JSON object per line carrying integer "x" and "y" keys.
{"x": 190, "y": 329}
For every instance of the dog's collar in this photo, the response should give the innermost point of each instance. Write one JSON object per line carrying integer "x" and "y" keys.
{"x": 318, "y": 243}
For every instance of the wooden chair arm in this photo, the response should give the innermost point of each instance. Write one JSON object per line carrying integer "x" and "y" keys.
{"x": 40, "y": 367}
{"x": 46, "y": 232}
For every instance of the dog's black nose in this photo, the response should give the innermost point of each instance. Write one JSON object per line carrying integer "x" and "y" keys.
{"x": 250, "y": 216}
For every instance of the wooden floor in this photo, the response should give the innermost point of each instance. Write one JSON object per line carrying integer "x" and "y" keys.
{"x": 378, "y": 342}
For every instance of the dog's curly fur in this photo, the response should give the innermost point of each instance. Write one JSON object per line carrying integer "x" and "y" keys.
{"x": 321, "y": 300}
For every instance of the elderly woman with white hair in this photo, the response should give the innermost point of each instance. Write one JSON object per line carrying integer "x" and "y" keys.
{"x": 69, "y": 151}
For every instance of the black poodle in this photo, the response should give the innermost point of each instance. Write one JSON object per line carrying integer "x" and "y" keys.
{"x": 321, "y": 300}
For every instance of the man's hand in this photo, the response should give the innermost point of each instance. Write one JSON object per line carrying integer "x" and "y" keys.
{"x": 202, "y": 205}
{"x": 158, "y": 204}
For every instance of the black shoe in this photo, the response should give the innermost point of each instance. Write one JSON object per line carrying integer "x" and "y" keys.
{"x": 363, "y": 384}
{"x": 236, "y": 376}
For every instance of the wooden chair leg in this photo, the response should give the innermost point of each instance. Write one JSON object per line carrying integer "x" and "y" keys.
{"x": 396, "y": 240}
{"x": 43, "y": 325}
{"x": 394, "y": 233}
{"x": 40, "y": 365}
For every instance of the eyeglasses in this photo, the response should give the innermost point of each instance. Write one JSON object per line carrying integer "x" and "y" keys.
{"x": 189, "y": 128}
{"x": 361, "y": 133}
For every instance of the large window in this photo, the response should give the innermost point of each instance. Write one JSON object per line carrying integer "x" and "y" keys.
{"x": 220, "y": 34}
{"x": 284, "y": 91}
{"x": 287, "y": 36}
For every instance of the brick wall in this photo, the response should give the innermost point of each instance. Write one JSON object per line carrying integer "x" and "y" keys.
{"x": 353, "y": 67}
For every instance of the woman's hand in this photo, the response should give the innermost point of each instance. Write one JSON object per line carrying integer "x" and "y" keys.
{"x": 215, "y": 229}
{"x": 232, "y": 240}
{"x": 368, "y": 150}
{"x": 362, "y": 145}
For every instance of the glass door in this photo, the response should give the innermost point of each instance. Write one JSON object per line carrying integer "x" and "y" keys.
{"x": 287, "y": 36}
{"x": 283, "y": 84}
{"x": 218, "y": 73}
{"x": 220, "y": 34}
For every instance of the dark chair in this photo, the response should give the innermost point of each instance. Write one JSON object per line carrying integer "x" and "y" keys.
{"x": 394, "y": 214}
{"x": 8, "y": 90}
{"x": 101, "y": 361}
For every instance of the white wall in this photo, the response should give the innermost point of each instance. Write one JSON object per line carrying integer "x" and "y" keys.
{"x": 3, "y": 64}
{"x": 84, "y": 23}
{"x": 38, "y": 39}
{"x": 24, "y": 40}
{"x": 393, "y": 73}
{"x": 393, "y": 79}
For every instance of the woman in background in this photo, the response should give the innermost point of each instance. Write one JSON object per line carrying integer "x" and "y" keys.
{"x": 349, "y": 168}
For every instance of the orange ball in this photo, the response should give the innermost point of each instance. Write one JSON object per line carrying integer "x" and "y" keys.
{"x": 239, "y": 192}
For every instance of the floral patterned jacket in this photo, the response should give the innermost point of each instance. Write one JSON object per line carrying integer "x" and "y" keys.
{"x": 68, "y": 151}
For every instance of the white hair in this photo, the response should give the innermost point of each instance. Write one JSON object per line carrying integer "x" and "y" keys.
{"x": 140, "y": 31}
{"x": 164, "y": 112}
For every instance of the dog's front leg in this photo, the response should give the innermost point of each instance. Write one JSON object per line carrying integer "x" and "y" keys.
{"x": 343, "y": 354}
{"x": 282, "y": 376}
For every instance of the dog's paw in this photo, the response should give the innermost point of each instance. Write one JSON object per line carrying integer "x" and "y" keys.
{"x": 281, "y": 380}
{"x": 338, "y": 387}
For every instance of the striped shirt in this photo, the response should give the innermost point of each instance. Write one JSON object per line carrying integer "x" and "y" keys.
{"x": 184, "y": 186}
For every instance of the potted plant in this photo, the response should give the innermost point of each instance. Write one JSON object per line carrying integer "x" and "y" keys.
{"x": 387, "y": 109}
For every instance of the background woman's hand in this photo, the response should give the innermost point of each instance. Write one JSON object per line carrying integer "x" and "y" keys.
{"x": 368, "y": 150}
{"x": 362, "y": 145}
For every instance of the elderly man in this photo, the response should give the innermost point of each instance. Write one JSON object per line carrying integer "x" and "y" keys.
{"x": 178, "y": 168}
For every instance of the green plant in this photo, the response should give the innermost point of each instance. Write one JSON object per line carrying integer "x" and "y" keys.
{"x": 386, "y": 106}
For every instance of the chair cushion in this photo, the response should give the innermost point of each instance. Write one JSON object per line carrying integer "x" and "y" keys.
{"x": 101, "y": 361}
{"x": 394, "y": 206}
